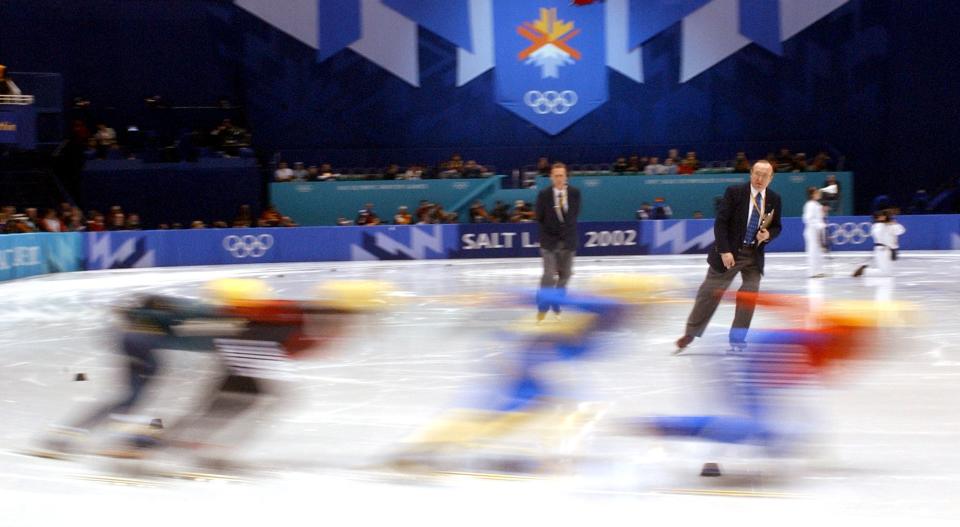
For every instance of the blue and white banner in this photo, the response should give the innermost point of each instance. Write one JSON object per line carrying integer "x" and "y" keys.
{"x": 241, "y": 246}
{"x": 420, "y": 242}
{"x": 551, "y": 61}
{"x": 32, "y": 254}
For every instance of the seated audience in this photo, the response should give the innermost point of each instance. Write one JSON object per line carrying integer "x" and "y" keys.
{"x": 741, "y": 164}
{"x": 283, "y": 172}
{"x": 522, "y": 212}
{"x": 619, "y": 166}
{"x": 403, "y": 216}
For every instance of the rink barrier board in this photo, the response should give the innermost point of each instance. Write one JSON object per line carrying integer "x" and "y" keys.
{"x": 23, "y": 255}
{"x": 128, "y": 249}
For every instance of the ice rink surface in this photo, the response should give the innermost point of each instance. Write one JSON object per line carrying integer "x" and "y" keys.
{"x": 888, "y": 451}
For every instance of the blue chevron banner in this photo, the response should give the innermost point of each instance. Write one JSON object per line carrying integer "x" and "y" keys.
{"x": 551, "y": 61}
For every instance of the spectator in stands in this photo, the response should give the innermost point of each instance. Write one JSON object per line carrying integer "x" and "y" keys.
{"x": 313, "y": 173}
{"x": 18, "y": 224}
{"x": 690, "y": 164}
{"x": 442, "y": 216}
{"x": 287, "y": 221}
{"x": 830, "y": 194}
{"x": 403, "y": 216}
{"x": 522, "y": 212}
{"x": 799, "y": 162}
{"x": 283, "y": 172}
{"x": 198, "y": 224}
{"x": 661, "y": 210}
{"x": 784, "y": 160}
{"x": 543, "y": 166}
{"x": 479, "y": 214}
{"x": 51, "y": 223}
{"x": 392, "y": 172}
{"x": 65, "y": 211}
{"x": 674, "y": 155}
{"x": 229, "y": 137}
{"x": 367, "y": 216}
{"x": 133, "y": 222}
{"x": 244, "y": 217}
{"x": 697, "y": 215}
{"x": 645, "y": 212}
{"x": 413, "y": 172}
{"x": 97, "y": 223}
{"x": 500, "y": 212}
{"x": 105, "y": 136}
{"x": 33, "y": 219}
{"x": 5, "y": 215}
{"x": 270, "y": 217}
{"x": 76, "y": 223}
{"x": 472, "y": 170}
{"x": 326, "y": 173}
{"x": 220, "y": 224}
{"x": 452, "y": 168}
{"x": 634, "y": 164}
{"x": 118, "y": 222}
{"x": 653, "y": 167}
{"x": 741, "y": 164}
{"x": 7, "y": 87}
{"x": 820, "y": 163}
{"x": 423, "y": 208}
{"x": 343, "y": 222}
{"x": 670, "y": 167}
{"x": 619, "y": 166}
{"x": 299, "y": 172}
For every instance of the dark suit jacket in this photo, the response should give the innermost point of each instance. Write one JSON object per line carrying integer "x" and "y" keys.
{"x": 552, "y": 230}
{"x": 730, "y": 225}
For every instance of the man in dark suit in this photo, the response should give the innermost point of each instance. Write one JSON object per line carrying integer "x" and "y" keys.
{"x": 748, "y": 218}
{"x": 557, "y": 209}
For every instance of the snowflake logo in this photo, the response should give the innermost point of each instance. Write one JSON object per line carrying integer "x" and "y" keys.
{"x": 549, "y": 43}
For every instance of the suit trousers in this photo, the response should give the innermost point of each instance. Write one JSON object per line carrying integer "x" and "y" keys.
{"x": 557, "y": 268}
{"x": 712, "y": 290}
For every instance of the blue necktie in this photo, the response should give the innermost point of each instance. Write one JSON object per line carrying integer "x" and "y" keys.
{"x": 753, "y": 224}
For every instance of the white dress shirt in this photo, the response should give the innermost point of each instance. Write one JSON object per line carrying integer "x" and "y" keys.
{"x": 762, "y": 202}
{"x": 561, "y": 202}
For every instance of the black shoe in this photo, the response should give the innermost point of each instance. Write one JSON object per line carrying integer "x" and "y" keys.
{"x": 710, "y": 470}
{"x": 859, "y": 272}
{"x": 682, "y": 343}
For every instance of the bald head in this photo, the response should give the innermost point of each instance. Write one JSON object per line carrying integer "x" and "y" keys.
{"x": 761, "y": 175}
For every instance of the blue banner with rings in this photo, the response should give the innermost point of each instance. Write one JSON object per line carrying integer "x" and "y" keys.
{"x": 551, "y": 61}
{"x": 417, "y": 242}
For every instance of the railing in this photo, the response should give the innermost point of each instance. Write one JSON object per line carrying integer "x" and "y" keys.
{"x": 19, "y": 100}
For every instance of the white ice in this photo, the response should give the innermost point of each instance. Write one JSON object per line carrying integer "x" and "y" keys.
{"x": 889, "y": 452}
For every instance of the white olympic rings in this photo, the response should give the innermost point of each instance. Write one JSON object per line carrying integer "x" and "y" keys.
{"x": 248, "y": 245}
{"x": 550, "y": 101}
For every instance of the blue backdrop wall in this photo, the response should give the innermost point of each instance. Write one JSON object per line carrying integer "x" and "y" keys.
{"x": 869, "y": 79}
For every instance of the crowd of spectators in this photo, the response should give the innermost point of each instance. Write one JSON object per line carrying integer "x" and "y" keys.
{"x": 428, "y": 212}
{"x": 69, "y": 218}
{"x": 453, "y": 168}
{"x": 226, "y": 139}
{"x": 66, "y": 218}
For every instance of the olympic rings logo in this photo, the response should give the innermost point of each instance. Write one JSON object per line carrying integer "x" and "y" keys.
{"x": 248, "y": 245}
{"x": 551, "y": 101}
{"x": 848, "y": 233}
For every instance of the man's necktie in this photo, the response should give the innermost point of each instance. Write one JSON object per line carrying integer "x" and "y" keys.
{"x": 754, "y": 223}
